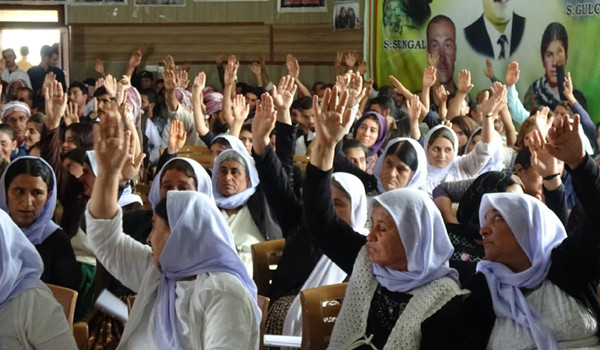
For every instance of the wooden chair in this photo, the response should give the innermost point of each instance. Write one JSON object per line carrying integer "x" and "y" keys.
{"x": 301, "y": 161}
{"x": 320, "y": 307}
{"x": 263, "y": 305}
{"x": 67, "y": 298}
{"x": 264, "y": 255}
{"x": 143, "y": 190}
{"x": 205, "y": 159}
{"x": 81, "y": 334}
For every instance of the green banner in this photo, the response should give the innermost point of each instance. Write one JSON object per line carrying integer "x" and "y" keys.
{"x": 465, "y": 33}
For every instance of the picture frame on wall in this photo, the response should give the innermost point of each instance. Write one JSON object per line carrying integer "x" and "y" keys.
{"x": 346, "y": 15}
{"x": 301, "y": 6}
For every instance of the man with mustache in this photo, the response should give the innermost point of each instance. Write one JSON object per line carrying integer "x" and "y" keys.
{"x": 441, "y": 40}
{"x": 498, "y": 32}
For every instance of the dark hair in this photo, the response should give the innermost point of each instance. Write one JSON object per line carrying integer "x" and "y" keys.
{"x": 78, "y": 85}
{"x": 89, "y": 82}
{"x": 38, "y": 119}
{"x": 403, "y": 127}
{"x": 554, "y": 31}
{"x": 439, "y": 19}
{"x": 247, "y": 127}
{"x": 46, "y": 51}
{"x": 317, "y": 83}
{"x": 77, "y": 155}
{"x": 386, "y": 90}
{"x": 182, "y": 166}
{"x": 8, "y": 131}
{"x": 24, "y": 50}
{"x": 467, "y": 126}
{"x": 82, "y": 135}
{"x": 353, "y": 143}
{"x": 523, "y": 158}
{"x": 29, "y": 166}
{"x": 161, "y": 210}
{"x": 100, "y": 91}
{"x": 405, "y": 151}
{"x": 302, "y": 104}
{"x": 146, "y": 75}
{"x": 29, "y": 91}
{"x": 151, "y": 94}
{"x": 385, "y": 102}
{"x": 221, "y": 141}
{"x": 441, "y": 132}
{"x": 7, "y": 51}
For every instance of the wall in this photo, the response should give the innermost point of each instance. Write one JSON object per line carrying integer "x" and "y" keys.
{"x": 198, "y": 31}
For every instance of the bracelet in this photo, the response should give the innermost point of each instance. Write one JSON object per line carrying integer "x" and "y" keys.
{"x": 489, "y": 115}
{"x": 550, "y": 177}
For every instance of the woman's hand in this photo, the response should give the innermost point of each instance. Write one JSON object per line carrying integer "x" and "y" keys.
{"x": 177, "y": 137}
{"x": 565, "y": 143}
{"x": 263, "y": 123}
{"x": 56, "y": 104}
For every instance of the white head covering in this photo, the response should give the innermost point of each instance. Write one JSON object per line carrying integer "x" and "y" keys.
{"x": 234, "y": 142}
{"x": 14, "y": 106}
{"x": 418, "y": 179}
{"x": 496, "y": 162}
{"x": 203, "y": 182}
{"x": 20, "y": 264}
{"x": 424, "y": 237}
{"x": 435, "y": 175}
{"x": 538, "y": 231}
{"x": 190, "y": 251}
{"x": 43, "y": 226}
{"x": 358, "y": 199}
{"x": 239, "y": 199}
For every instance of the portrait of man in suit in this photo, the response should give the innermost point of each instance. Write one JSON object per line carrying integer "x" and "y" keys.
{"x": 498, "y": 32}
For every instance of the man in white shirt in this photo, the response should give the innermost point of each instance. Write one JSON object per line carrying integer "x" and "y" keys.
{"x": 498, "y": 32}
{"x": 11, "y": 71}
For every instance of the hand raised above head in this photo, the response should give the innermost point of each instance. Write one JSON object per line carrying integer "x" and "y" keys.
{"x": 331, "y": 121}
{"x": 564, "y": 141}
{"x": 283, "y": 93}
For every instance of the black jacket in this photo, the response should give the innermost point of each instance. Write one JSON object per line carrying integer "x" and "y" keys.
{"x": 479, "y": 40}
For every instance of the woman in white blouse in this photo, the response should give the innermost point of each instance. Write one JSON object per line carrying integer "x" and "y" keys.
{"x": 193, "y": 290}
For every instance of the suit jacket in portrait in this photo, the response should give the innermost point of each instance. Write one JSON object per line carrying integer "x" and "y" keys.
{"x": 478, "y": 38}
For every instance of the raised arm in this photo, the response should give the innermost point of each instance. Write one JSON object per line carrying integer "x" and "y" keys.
{"x": 134, "y": 61}
{"x": 516, "y": 109}
{"x": 231, "y": 70}
{"x": 283, "y": 96}
{"x": 293, "y": 68}
{"x": 320, "y": 219}
{"x": 240, "y": 110}
{"x": 169, "y": 79}
{"x": 587, "y": 124}
{"x": 429, "y": 78}
{"x": 199, "y": 109}
{"x": 464, "y": 86}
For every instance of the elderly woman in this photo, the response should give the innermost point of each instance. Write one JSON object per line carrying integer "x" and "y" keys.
{"x": 30, "y": 316}
{"x": 402, "y": 294}
{"x": 242, "y": 202}
{"x": 190, "y": 283}
{"x": 532, "y": 282}
{"x": 28, "y": 195}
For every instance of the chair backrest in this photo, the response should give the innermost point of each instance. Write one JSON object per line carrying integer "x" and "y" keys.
{"x": 265, "y": 255}
{"x": 67, "y": 298}
{"x": 301, "y": 161}
{"x": 320, "y": 308}
{"x": 263, "y": 305}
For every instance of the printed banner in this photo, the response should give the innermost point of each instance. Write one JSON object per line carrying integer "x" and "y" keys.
{"x": 539, "y": 34}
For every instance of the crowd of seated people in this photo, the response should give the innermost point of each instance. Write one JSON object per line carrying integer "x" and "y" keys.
{"x": 457, "y": 221}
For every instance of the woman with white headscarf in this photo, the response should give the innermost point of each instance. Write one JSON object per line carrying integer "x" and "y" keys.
{"x": 402, "y": 293}
{"x": 242, "y": 202}
{"x": 30, "y": 316}
{"x": 537, "y": 287}
{"x": 345, "y": 188}
{"x": 441, "y": 147}
{"x": 28, "y": 195}
{"x": 190, "y": 283}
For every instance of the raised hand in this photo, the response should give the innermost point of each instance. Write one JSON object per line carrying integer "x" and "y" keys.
{"x": 110, "y": 84}
{"x": 331, "y": 120}
{"x": 169, "y": 79}
{"x": 56, "y": 103}
{"x": 199, "y": 110}
{"x": 440, "y": 95}
{"x": 499, "y": 90}
{"x": 283, "y": 93}
{"x": 541, "y": 160}
{"x": 199, "y": 84}
{"x": 337, "y": 62}
{"x": 240, "y": 108}
{"x": 122, "y": 86}
{"x": 112, "y": 146}
{"x": 231, "y": 70}
{"x": 432, "y": 59}
{"x": 568, "y": 89}
{"x": 49, "y": 80}
{"x": 220, "y": 59}
{"x": 169, "y": 63}
{"x": 512, "y": 73}
{"x": 177, "y": 137}
{"x": 263, "y": 123}
{"x": 71, "y": 114}
{"x": 564, "y": 142}
{"x": 350, "y": 58}
{"x": 543, "y": 122}
{"x": 399, "y": 88}
{"x": 464, "y": 82}
{"x": 355, "y": 89}
{"x": 255, "y": 68}
{"x": 414, "y": 108}
{"x": 135, "y": 59}
{"x": 99, "y": 66}
{"x": 362, "y": 67}
{"x": 429, "y": 77}
{"x": 182, "y": 80}
{"x": 292, "y": 66}
{"x": 489, "y": 70}
{"x": 342, "y": 81}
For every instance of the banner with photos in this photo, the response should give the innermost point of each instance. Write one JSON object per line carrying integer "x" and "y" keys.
{"x": 539, "y": 34}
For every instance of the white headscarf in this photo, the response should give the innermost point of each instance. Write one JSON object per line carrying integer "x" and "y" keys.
{"x": 238, "y": 199}
{"x": 14, "y": 106}
{"x": 20, "y": 264}
{"x": 358, "y": 198}
{"x": 203, "y": 182}
{"x": 43, "y": 226}
{"x": 420, "y": 175}
{"x": 234, "y": 142}
{"x": 538, "y": 231}
{"x": 424, "y": 237}
{"x": 496, "y": 162}
{"x": 190, "y": 251}
{"x": 435, "y": 175}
